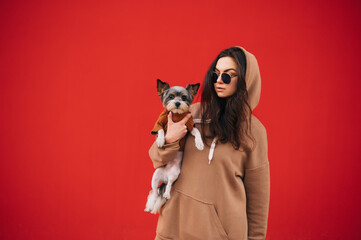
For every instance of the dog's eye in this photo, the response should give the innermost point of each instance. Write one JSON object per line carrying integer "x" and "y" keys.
{"x": 171, "y": 96}
{"x": 184, "y": 98}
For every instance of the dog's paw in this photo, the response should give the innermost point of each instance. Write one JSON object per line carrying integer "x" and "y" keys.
{"x": 198, "y": 138}
{"x": 160, "y": 138}
{"x": 160, "y": 142}
{"x": 147, "y": 210}
{"x": 199, "y": 144}
{"x": 166, "y": 195}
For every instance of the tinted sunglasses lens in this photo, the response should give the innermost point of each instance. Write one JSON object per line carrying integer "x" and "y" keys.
{"x": 214, "y": 77}
{"x": 226, "y": 78}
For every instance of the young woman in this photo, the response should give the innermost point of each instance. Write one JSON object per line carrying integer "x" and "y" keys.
{"x": 222, "y": 191}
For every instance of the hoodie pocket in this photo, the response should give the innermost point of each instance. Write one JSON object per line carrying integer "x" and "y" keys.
{"x": 185, "y": 217}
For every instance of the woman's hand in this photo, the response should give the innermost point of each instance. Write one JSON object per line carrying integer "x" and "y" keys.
{"x": 176, "y": 130}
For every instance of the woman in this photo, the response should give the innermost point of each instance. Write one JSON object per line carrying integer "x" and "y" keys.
{"x": 222, "y": 191}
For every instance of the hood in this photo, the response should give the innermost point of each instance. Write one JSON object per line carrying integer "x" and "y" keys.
{"x": 253, "y": 84}
{"x": 253, "y": 79}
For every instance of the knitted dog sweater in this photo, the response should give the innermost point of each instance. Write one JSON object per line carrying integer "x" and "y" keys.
{"x": 162, "y": 123}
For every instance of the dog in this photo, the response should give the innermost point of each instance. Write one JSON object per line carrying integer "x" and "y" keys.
{"x": 176, "y": 100}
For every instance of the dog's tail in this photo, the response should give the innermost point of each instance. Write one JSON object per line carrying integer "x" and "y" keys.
{"x": 160, "y": 199}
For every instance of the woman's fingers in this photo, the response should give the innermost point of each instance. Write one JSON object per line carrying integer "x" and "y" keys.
{"x": 176, "y": 130}
{"x": 170, "y": 118}
{"x": 186, "y": 118}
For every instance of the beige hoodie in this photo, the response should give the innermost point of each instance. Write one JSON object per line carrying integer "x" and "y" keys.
{"x": 226, "y": 198}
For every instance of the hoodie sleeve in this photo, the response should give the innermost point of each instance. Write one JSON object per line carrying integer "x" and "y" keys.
{"x": 161, "y": 156}
{"x": 257, "y": 185}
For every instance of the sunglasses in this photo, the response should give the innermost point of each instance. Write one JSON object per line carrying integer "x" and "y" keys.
{"x": 226, "y": 77}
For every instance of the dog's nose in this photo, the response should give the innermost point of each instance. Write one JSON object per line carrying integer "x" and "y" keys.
{"x": 177, "y": 104}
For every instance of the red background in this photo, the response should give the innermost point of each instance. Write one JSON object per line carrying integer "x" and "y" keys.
{"x": 78, "y": 100}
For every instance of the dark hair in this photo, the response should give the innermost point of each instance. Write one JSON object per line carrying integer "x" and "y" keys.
{"x": 230, "y": 117}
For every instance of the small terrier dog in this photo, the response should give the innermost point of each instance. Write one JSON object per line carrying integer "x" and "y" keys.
{"x": 176, "y": 100}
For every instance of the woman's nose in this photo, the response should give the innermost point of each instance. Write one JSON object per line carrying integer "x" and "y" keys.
{"x": 219, "y": 79}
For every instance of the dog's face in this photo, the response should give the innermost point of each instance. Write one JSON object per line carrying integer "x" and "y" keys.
{"x": 176, "y": 99}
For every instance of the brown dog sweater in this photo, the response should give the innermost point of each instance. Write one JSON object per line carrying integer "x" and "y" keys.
{"x": 162, "y": 123}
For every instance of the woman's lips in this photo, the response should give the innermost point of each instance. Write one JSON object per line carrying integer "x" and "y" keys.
{"x": 219, "y": 89}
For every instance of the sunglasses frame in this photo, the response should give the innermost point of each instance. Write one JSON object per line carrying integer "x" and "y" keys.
{"x": 226, "y": 77}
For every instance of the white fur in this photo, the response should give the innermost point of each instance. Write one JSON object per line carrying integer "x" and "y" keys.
{"x": 158, "y": 204}
{"x": 170, "y": 172}
{"x": 160, "y": 138}
{"x": 183, "y": 107}
{"x": 198, "y": 138}
{"x": 167, "y": 174}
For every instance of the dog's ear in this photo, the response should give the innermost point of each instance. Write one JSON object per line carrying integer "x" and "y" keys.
{"x": 193, "y": 88}
{"x": 161, "y": 87}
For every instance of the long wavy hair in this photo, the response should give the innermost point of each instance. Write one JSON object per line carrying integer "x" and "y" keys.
{"x": 230, "y": 117}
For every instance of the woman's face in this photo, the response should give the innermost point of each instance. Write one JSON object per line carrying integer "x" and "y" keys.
{"x": 226, "y": 65}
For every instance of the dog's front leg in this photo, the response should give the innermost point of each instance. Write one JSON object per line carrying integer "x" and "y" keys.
{"x": 160, "y": 138}
{"x": 198, "y": 138}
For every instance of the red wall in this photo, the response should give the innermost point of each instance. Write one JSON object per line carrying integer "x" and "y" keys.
{"x": 78, "y": 100}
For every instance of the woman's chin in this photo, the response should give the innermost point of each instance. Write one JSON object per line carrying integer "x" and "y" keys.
{"x": 222, "y": 95}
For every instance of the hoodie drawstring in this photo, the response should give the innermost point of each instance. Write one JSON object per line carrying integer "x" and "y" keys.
{"x": 211, "y": 151}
